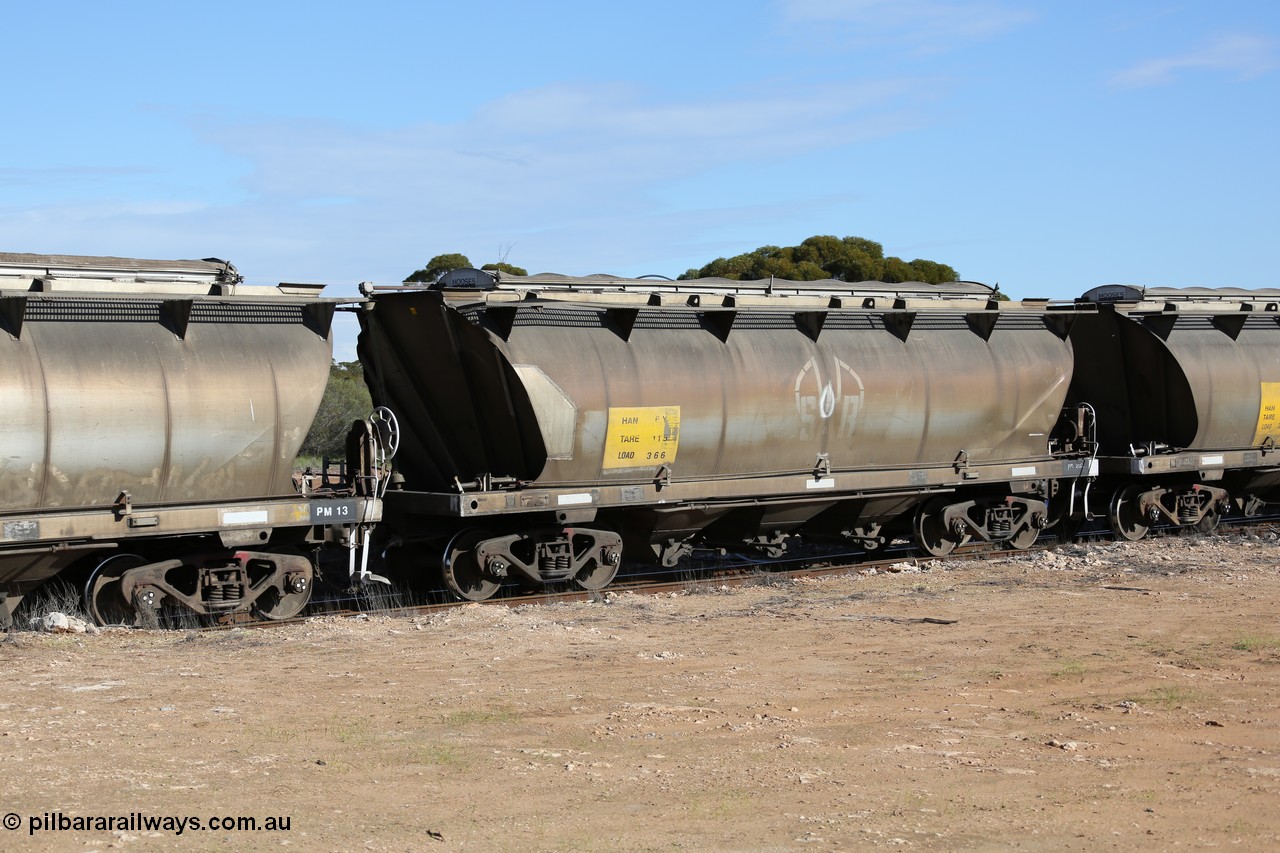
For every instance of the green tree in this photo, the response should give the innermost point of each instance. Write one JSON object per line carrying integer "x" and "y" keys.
{"x": 502, "y": 266}
{"x": 438, "y": 266}
{"x": 896, "y": 270}
{"x": 346, "y": 400}
{"x": 870, "y": 247}
{"x": 934, "y": 272}
{"x": 441, "y": 264}
{"x": 825, "y": 256}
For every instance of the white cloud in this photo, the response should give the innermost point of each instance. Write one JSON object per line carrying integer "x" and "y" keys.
{"x": 551, "y": 162}
{"x": 1246, "y": 56}
{"x": 926, "y": 25}
{"x": 579, "y": 178}
{"x": 560, "y": 142}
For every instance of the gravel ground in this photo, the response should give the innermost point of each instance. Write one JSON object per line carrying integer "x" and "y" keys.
{"x": 1117, "y": 696}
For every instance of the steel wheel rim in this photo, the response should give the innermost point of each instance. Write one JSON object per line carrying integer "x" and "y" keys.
{"x": 102, "y": 599}
{"x": 1024, "y": 539}
{"x": 931, "y": 534}
{"x": 462, "y": 574}
{"x": 1126, "y": 519}
{"x": 286, "y": 604}
{"x": 597, "y": 578}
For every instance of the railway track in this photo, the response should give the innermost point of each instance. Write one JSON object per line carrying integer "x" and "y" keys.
{"x": 721, "y": 573}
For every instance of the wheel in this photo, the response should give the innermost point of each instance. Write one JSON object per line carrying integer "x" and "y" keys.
{"x": 288, "y": 601}
{"x": 282, "y": 606}
{"x": 1025, "y": 538}
{"x": 602, "y": 572}
{"x": 103, "y": 600}
{"x": 931, "y": 531}
{"x": 596, "y": 578}
{"x": 462, "y": 574}
{"x": 1126, "y": 516}
{"x": 1209, "y": 523}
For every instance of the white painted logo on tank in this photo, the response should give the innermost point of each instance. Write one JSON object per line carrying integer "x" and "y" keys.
{"x": 835, "y": 392}
{"x": 827, "y": 402}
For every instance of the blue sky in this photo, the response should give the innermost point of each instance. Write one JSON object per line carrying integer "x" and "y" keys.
{"x": 1047, "y": 146}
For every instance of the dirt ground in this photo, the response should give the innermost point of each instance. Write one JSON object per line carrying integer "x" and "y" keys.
{"x": 1095, "y": 697}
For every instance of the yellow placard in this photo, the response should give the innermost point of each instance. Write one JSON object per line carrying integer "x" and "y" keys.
{"x": 1268, "y": 413}
{"x": 642, "y": 437}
